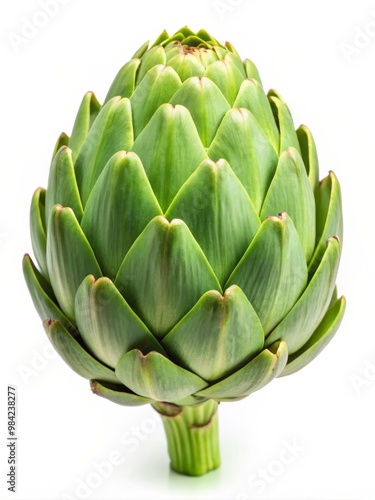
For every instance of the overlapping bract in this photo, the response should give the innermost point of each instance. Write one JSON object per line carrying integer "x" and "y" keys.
{"x": 186, "y": 248}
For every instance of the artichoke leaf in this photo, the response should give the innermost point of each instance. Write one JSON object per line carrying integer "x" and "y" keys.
{"x": 69, "y": 257}
{"x": 234, "y": 59}
{"x": 252, "y": 97}
{"x": 63, "y": 140}
{"x": 186, "y": 31}
{"x": 122, "y": 189}
{"x": 162, "y": 39}
{"x": 227, "y": 77}
{"x": 86, "y": 115}
{"x": 75, "y": 355}
{"x": 284, "y": 120}
{"x": 153, "y": 57}
{"x": 207, "y": 57}
{"x": 174, "y": 48}
{"x": 38, "y": 228}
{"x": 251, "y": 70}
{"x": 298, "y": 326}
{"x": 124, "y": 83}
{"x": 42, "y": 295}
{"x": 111, "y": 132}
{"x": 117, "y": 394}
{"x": 217, "y": 336}
{"x": 309, "y": 155}
{"x": 62, "y": 185}
{"x": 142, "y": 49}
{"x": 241, "y": 141}
{"x": 221, "y": 52}
{"x": 170, "y": 150}
{"x": 194, "y": 41}
{"x": 156, "y": 377}
{"x": 273, "y": 272}
{"x": 334, "y": 297}
{"x": 219, "y": 213}
{"x": 206, "y": 104}
{"x": 204, "y": 35}
{"x": 108, "y": 326}
{"x": 319, "y": 339}
{"x": 164, "y": 274}
{"x": 157, "y": 87}
{"x": 229, "y": 46}
{"x": 252, "y": 377}
{"x": 328, "y": 217}
{"x": 290, "y": 191}
{"x": 186, "y": 65}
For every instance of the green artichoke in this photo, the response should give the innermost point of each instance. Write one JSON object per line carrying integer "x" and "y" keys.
{"x": 187, "y": 251}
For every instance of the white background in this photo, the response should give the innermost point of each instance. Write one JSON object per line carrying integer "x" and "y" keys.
{"x": 328, "y": 409}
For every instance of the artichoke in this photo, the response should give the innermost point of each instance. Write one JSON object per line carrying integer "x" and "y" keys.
{"x": 187, "y": 252}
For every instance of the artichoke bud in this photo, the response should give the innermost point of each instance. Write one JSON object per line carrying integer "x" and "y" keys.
{"x": 187, "y": 252}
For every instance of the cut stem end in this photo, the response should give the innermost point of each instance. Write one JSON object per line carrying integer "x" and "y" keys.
{"x": 192, "y": 436}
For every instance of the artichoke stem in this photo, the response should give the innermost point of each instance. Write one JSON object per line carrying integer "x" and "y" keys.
{"x": 192, "y": 436}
